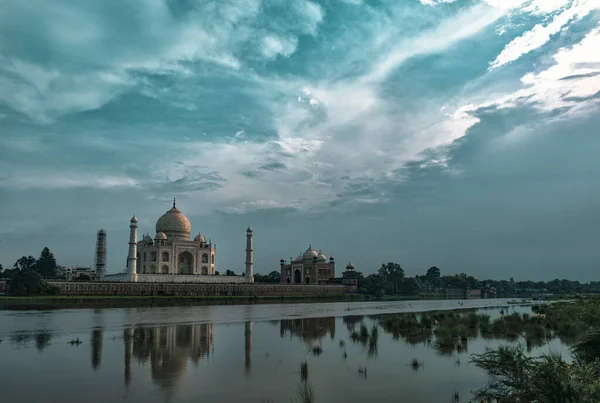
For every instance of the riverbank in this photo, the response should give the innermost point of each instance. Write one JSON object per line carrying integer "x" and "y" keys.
{"x": 117, "y": 301}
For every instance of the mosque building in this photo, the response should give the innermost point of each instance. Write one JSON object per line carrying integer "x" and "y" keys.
{"x": 310, "y": 267}
{"x": 172, "y": 256}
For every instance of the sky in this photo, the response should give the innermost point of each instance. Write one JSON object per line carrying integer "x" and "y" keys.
{"x": 457, "y": 133}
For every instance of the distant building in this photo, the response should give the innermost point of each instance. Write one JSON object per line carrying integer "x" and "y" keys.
{"x": 310, "y": 267}
{"x": 79, "y": 273}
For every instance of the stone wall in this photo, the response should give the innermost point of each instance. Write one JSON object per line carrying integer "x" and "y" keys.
{"x": 197, "y": 289}
{"x": 182, "y": 278}
{"x": 175, "y": 278}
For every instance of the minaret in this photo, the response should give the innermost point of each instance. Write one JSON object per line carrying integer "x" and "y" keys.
{"x": 249, "y": 263}
{"x": 100, "y": 263}
{"x": 132, "y": 257}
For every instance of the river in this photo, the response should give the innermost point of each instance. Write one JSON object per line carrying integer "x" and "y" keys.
{"x": 233, "y": 353}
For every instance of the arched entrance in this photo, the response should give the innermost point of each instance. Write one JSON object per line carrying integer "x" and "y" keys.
{"x": 297, "y": 277}
{"x": 185, "y": 263}
{"x": 205, "y": 271}
{"x": 307, "y": 280}
{"x": 288, "y": 280}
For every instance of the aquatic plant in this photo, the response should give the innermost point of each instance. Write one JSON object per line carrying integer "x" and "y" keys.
{"x": 517, "y": 377}
{"x": 304, "y": 370}
{"x": 415, "y": 364}
{"x": 304, "y": 394}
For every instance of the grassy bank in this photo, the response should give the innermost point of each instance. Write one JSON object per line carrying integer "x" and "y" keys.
{"x": 115, "y": 301}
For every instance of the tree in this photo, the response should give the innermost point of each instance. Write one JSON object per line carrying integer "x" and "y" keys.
{"x": 1, "y": 270}
{"x": 393, "y": 274}
{"x": 229, "y": 273}
{"x": 433, "y": 276}
{"x": 27, "y": 282}
{"x": 25, "y": 263}
{"x": 410, "y": 286}
{"x": 216, "y": 272}
{"x": 274, "y": 277}
{"x": 46, "y": 264}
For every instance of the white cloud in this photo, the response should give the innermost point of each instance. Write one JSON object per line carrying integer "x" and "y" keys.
{"x": 65, "y": 180}
{"x": 464, "y": 25}
{"x": 570, "y": 85}
{"x": 92, "y": 57}
{"x": 274, "y": 46}
{"x": 541, "y": 33}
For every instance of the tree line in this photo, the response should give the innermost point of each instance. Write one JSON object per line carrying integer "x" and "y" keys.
{"x": 391, "y": 279}
{"x": 27, "y": 277}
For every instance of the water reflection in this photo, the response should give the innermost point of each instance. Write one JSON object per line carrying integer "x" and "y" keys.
{"x": 309, "y": 330}
{"x": 137, "y": 356}
{"x": 41, "y": 338}
{"x": 96, "y": 348}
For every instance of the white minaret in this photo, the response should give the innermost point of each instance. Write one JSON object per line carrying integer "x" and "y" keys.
{"x": 132, "y": 257}
{"x": 249, "y": 274}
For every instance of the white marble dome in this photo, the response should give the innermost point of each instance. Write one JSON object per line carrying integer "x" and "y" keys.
{"x": 321, "y": 258}
{"x": 148, "y": 239}
{"x": 174, "y": 224}
{"x": 200, "y": 238}
{"x": 310, "y": 253}
{"x": 160, "y": 236}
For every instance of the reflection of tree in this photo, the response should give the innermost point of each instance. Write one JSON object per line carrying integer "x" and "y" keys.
{"x": 351, "y": 320}
{"x": 41, "y": 338}
{"x": 308, "y": 329}
{"x": 168, "y": 349}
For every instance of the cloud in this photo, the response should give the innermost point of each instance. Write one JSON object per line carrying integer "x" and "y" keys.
{"x": 569, "y": 87}
{"x": 90, "y": 57}
{"x": 70, "y": 180}
{"x": 464, "y": 25}
{"x": 274, "y": 46}
{"x": 542, "y": 33}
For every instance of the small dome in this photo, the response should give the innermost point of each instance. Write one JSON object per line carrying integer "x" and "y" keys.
{"x": 148, "y": 239}
{"x": 299, "y": 258}
{"x": 160, "y": 236}
{"x": 174, "y": 224}
{"x": 349, "y": 266}
{"x": 310, "y": 253}
{"x": 200, "y": 238}
{"x": 321, "y": 257}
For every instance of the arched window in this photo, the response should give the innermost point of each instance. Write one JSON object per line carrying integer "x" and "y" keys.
{"x": 186, "y": 263}
{"x": 204, "y": 258}
{"x": 153, "y": 256}
{"x": 144, "y": 256}
{"x": 165, "y": 269}
{"x": 204, "y": 271}
{"x": 288, "y": 280}
{"x": 307, "y": 280}
{"x": 165, "y": 256}
{"x": 213, "y": 259}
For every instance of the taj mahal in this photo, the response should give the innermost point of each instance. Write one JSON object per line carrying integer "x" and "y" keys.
{"x": 172, "y": 256}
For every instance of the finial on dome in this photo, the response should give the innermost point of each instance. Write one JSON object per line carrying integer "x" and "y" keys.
{"x": 173, "y": 202}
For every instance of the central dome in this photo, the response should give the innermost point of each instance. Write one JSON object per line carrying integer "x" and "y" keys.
{"x": 174, "y": 225}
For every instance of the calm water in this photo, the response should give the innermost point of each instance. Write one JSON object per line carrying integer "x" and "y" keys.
{"x": 240, "y": 353}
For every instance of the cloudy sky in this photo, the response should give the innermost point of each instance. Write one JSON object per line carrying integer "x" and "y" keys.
{"x": 457, "y": 133}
